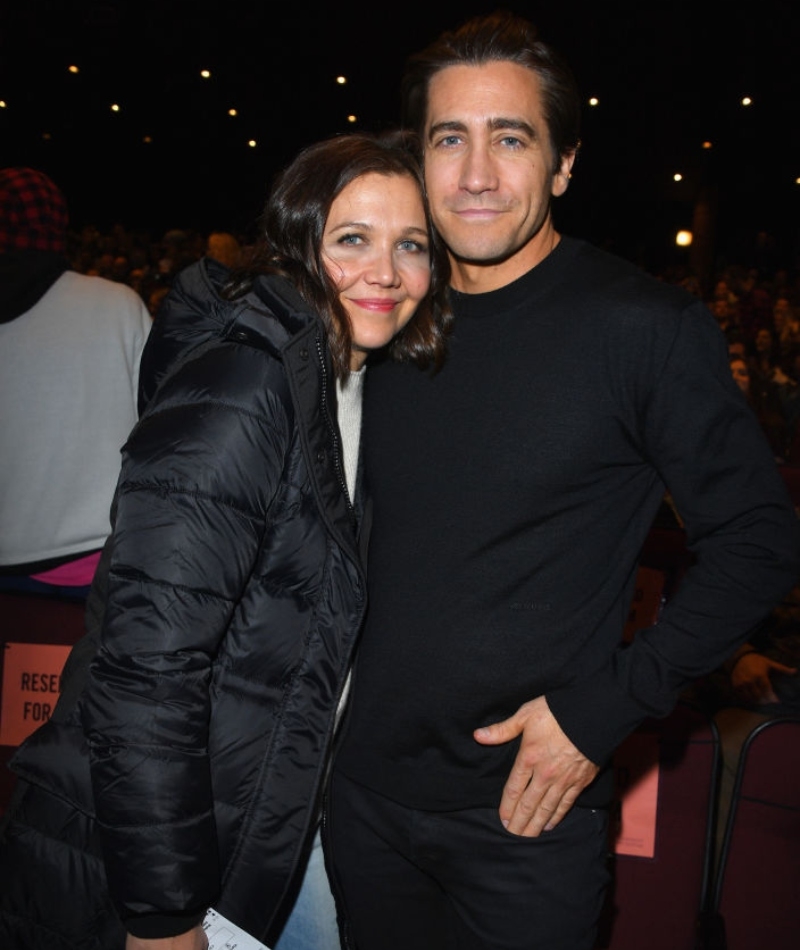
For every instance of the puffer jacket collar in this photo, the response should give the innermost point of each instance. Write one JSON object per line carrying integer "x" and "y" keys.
{"x": 273, "y": 317}
{"x": 194, "y": 312}
{"x": 276, "y": 318}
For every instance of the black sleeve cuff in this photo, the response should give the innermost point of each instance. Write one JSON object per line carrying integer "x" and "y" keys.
{"x": 157, "y": 926}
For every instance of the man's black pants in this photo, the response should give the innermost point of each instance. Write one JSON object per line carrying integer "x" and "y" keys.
{"x": 458, "y": 880}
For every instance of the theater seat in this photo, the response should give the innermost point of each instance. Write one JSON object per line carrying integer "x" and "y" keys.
{"x": 757, "y": 890}
{"x": 657, "y": 902}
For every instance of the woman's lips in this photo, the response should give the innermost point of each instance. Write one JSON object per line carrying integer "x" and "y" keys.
{"x": 377, "y": 304}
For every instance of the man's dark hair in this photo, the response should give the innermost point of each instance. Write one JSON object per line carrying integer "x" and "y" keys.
{"x": 499, "y": 36}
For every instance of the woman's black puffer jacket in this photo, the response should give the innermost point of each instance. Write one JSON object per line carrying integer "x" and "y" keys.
{"x": 233, "y": 594}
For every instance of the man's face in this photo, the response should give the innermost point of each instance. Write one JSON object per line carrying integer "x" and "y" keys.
{"x": 488, "y": 170}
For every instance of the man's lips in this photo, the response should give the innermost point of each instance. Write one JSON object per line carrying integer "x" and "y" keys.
{"x": 477, "y": 213}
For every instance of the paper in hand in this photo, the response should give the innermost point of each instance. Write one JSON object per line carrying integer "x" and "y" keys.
{"x": 224, "y": 935}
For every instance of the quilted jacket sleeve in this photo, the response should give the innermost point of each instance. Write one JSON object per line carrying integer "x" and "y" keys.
{"x": 199, "y": 474}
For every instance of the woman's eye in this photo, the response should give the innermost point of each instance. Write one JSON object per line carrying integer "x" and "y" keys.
{"x": 350, "y": 239}
{"x": 416, "y": 247}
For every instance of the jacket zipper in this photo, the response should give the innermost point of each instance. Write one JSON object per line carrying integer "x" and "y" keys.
{"x": 344, "y": 934}
{"x": 337, "y": 447}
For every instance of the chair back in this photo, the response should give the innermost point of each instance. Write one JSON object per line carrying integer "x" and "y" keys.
{"x": 657, "y": 896}
{"x": 757, "y": 890}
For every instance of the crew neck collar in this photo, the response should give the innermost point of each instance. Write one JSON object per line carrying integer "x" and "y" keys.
{"x": 535, "y": 281}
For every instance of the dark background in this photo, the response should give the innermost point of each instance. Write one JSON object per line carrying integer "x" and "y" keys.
{"x": 668, "y": 76}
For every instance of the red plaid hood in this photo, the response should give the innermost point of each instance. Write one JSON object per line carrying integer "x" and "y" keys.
{"x": 33, "y": 212}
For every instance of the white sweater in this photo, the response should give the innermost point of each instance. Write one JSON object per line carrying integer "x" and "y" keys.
{"x": 349, "y": 417}
{"x": 69, "y": 371}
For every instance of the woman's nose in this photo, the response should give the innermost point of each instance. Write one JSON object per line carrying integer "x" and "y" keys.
{"x": 383, "y": 269}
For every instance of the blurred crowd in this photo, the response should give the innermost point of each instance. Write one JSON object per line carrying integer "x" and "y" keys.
{"x": 758, "y": 311}
{"x": 760, "y": 317}
{"x": 146, "y": 263}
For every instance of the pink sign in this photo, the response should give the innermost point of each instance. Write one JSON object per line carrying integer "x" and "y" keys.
{"x": 31, "y": 685}
{"x": 636, "y": 771}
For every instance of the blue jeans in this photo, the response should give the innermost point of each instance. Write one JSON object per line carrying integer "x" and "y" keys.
{"x": 312, "y": 922}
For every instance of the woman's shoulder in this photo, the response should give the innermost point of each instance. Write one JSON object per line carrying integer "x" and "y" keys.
{"x": 197, "y": 316}
{"x": 192, "y": 313}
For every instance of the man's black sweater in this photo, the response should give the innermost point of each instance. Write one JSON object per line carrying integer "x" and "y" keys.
{"x": 512, "y": 493}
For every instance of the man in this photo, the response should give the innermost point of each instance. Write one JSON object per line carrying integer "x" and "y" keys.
{"x": 70, "y": 347}
{"x": 512, "y": 493}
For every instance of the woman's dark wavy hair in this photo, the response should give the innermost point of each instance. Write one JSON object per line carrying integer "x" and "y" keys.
{"x": 498, "y": 36}
{"x": 290, "y": 240}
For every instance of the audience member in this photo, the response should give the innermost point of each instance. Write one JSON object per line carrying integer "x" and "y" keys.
{"x": 225, "y": 248}
{"x": 786, "y": 318}
{"x": 765, "y": 361}
{"x": 765, "y": 400}
{"x": 759, "y": 681}
{"x": 737, "y": 345}
{"x": 754, "y": 301}
{"x": 781, "y": 310}
{"x": 70, "y": 346}
{"x": 790, "y": 396}
{"x": 725, "y": 314}
{"x": 155, "y": 296}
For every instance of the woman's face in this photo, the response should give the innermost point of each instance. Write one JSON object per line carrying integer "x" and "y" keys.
{"x": 376, "y": 250}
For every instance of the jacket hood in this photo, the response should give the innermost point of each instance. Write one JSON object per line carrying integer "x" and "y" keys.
{"x": 25, "y": 277}
{"x": 194, "y": 312}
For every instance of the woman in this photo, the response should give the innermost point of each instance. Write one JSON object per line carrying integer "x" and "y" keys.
{"x": 196, "y": 716}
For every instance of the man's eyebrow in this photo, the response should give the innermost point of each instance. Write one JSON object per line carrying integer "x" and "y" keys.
{"x": 519, "y": 125}
{"x": 450, "y": 126}
{"x": 498, "y": 124}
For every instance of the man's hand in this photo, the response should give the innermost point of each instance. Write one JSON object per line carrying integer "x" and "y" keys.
{"x": 548, "y": 774}
{"x": 750, "y": 677}
{"x": 194, "y": 939}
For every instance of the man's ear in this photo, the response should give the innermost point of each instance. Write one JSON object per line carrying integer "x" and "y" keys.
{"x": 563, "y": 173}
